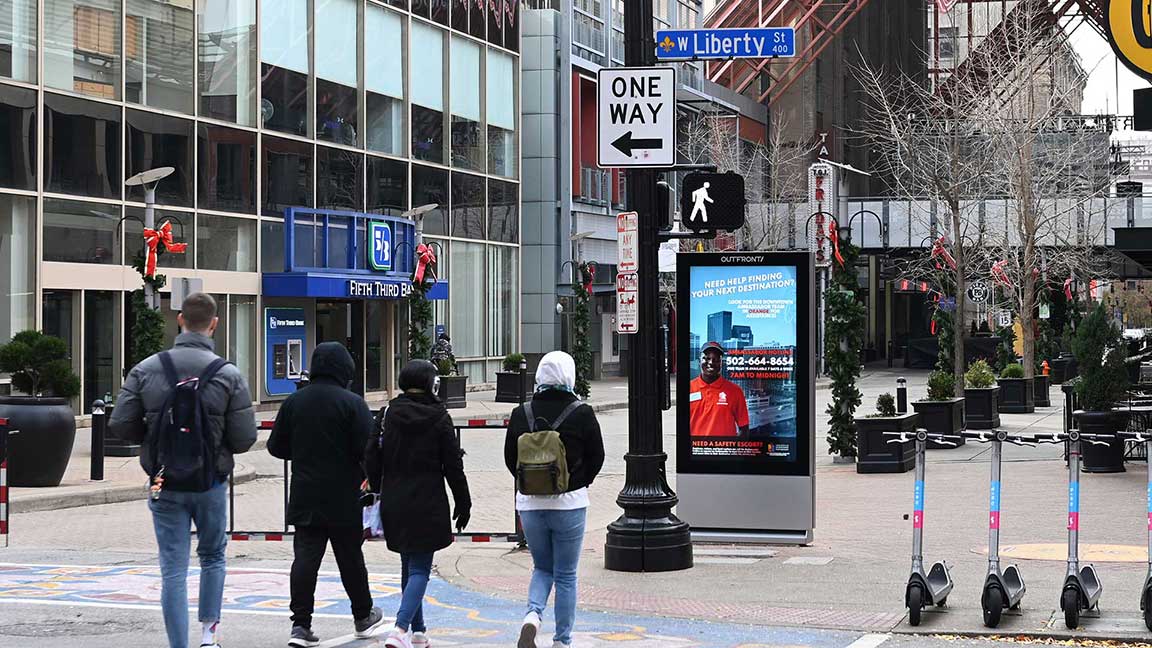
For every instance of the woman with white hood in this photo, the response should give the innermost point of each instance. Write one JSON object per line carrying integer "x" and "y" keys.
{"x": 554, "y": 449}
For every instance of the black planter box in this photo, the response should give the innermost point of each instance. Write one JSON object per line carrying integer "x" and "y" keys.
{"x": 38, "y": 455}
{"x": 874, "y": 452}
{"x": 454, "y": 391}
{"x": 1063, "y": 368}
{"x": 981, "y": 411}
{"x": 941, "y": 417}
{"x": 1017, "y": 395}
{"x": 1102, "y": 458}
{"x": 511, "y": 387}
{"x": 1041, "y": 391}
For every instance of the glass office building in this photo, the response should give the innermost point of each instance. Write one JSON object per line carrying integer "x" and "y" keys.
{"x": 319, "y": 112}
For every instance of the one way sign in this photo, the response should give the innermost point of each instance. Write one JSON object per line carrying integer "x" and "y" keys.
{"x": 636, "y": 124}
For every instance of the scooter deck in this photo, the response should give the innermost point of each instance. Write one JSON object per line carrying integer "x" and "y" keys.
{"x": 1013, "y": 584}
{"x": 939, "y": 582}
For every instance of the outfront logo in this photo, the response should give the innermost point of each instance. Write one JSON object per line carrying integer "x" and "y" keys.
{"x": 1129, "y": 24}
{"x": 380, "y": 245}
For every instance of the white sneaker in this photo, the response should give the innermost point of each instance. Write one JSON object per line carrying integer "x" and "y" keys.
{"x": 529, "y": 630}
{"x": 420, "y": 640}
{"x": 557, "y": 644}
{"x": 399, "y": 639}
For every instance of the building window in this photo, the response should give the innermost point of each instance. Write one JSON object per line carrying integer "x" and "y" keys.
{"x": 18, "y": 41}
{"x": 339, "y": 179}
{"x": 82, "y": 146}
{"x": 284, "y": 73}
{"x": 467, "y": 138}
{"x": 460, "y": 15}
{"x": 428, "y": 93}
{"x": 272, "y": 246}
{"x": 384, "y": 79}
{"x": 158, "y": 52}
{"x": 467, "y": 206}
{"x": 477, "y": 20}
{"x": 227, "y": 169}
{"x": 224, "y": 243}
{"x": 430, "y": 186}
{"x": 337, "y": 76}
{"x": 496, "y": 22}
{"x": 227, "y": 55}
{"x": 467, "y": 330}
{"x": 503, "y": 300}
{"x": 387, "y": 186}
{"x": 101, "y": 321}
{"x": 501, "y": 103}
{"x": 242, "y": 334}
{"x": 17, "y": 138}
{"x": 81, "y": 232}
{"x": 183, "y": 227}
{"x": 503, "y": 211}
{"x": 159, "y": 141}
{"x": 82, "y": 46}
{"x": 434, "y": 9}
{"x": 18, "y": 265}
{"x": 287, "y": 178}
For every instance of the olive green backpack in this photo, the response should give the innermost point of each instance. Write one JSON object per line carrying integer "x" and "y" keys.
{"x": 541, "y": 458}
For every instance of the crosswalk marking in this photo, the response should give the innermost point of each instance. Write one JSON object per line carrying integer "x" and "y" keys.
{"x": 869, "y": 641}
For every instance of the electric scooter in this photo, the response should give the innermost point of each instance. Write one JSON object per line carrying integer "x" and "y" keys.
{"x": 1081, "y": 591}
{"x": 930, "y": 588}
{"x": 1002, "y": 589}
{"x": 1145, "y": 437}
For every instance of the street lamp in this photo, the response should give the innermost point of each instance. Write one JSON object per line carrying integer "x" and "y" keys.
{"x": 149, "y": 179}
{"x": 417, "y": 214}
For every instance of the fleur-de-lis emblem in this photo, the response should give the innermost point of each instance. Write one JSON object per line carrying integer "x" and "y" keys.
{"x": 667, "y": 44}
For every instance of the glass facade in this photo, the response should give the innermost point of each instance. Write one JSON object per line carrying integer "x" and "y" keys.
{"x": 258, "y": 106}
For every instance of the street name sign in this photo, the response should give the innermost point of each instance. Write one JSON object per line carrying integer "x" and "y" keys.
{"x": 636, "y": 125}
{"x": 680, "y": 44}
{"x": 627, "y": 242}
{"x": 712, "y": 201}
{"x": 627, "y": 303}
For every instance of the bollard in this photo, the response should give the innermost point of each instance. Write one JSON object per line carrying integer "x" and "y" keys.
{"x": 99, "y": 427}
{"x": 4, "y": 479}
{"x": 891, "y": 352}
{"x": 523, "y": 379}
{"x": 901, "y": 396}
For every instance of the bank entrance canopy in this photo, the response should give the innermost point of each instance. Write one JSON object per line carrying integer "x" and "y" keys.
{"x": 332, "y": 254}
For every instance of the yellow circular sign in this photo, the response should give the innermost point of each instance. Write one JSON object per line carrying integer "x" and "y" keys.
{"x": 1130, "y": 33}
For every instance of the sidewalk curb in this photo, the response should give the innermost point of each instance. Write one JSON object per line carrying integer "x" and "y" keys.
{"x": 113, "y": 494}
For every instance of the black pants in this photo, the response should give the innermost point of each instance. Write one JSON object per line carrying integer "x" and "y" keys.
{"x": 308, "y": 549}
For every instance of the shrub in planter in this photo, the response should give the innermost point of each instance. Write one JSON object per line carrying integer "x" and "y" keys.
{"x": 1103, "y": 383}
{"x": 874, "y": 452}
{"x": 39, "y": 367}
{"x": 511, "y": 387}
{"x": 1017, "y": 393}
{"x": 453, "y": 388}
{"x": 941, "y": 412}
{"x": 981, "y": 397}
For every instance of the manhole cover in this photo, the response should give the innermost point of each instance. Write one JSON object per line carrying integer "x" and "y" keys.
{"x": 66, "y": 629}
{"x": 1058, "y": 552}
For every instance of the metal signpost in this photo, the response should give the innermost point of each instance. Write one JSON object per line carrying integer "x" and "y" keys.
{"x": 637, "y": 121}
{"x": 693, "y": 44}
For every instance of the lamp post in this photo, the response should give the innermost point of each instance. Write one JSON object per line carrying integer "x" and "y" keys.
{"x": 149, "y": 179}
{"x": 417, "y": 214}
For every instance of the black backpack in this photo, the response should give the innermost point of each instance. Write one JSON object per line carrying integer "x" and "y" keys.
{"x": 183, "y": 450}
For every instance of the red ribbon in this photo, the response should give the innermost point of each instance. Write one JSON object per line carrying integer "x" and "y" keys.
{"x": 999, "y": 275}
{"x": 1068, "y": 287}
{"x": 425, "y": 264}
{"x": 591, "y": 277}
{"x": 938, "y": 250}
{"x": 835, "y": 238}
{"x": 153, "y": 238}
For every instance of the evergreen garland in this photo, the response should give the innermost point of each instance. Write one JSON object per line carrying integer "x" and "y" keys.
{"x": 419, "y": 319}
{"x": 843, "y": 339}
{"x": 147, "y": 322}
{"x": 581, "y": 344}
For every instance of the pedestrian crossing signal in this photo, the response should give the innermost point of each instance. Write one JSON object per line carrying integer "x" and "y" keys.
{"x": 712, "y": 202}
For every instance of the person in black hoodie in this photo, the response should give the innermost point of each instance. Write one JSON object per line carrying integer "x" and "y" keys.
{"x": 554, "y": 524}
{"x": 407, "y": 463}
{"x": 323, "y": 429}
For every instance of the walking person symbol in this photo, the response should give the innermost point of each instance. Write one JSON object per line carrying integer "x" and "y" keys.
{"x": 699, "y": 197}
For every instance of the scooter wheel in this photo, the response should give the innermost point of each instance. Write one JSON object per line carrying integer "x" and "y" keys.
{"x": 1070, "y": 601}
{"x": 993, "y": 606}
{"x": 915, "y": 604}
{"x": 1147, "y": 605}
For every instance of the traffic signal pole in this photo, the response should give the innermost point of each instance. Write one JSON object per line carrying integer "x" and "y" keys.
{"x": 647, "y": 536}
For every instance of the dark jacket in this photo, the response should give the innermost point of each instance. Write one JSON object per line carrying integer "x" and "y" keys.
{"x": 323, "y": 428}
{"x": 408, "y": 465}
{"x": 226, "y": 398}
{"x": 580, "y": 432}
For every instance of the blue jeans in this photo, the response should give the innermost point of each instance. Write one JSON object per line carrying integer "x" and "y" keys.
{"x": 555, "y": 539}
{"x": 172, "y": 516}
{"x": 415, "y": 570}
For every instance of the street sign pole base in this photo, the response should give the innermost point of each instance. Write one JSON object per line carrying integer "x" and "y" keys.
{"x": 648, "y": 537}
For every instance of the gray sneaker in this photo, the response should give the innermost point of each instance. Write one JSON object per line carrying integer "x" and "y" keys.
{"x": 303, "y": 638}
{"x": 365, "y": 626}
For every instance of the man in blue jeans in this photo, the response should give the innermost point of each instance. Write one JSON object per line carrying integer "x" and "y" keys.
{"x": 231, "y": 425}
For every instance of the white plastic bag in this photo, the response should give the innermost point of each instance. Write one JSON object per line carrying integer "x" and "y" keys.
{"x": 373, "y": 526}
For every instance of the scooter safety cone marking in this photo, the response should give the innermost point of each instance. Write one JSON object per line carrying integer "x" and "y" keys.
{"x": 1074, "y": 507}
{"x": 918, "y": 506}
{"x": 994, "y": 506}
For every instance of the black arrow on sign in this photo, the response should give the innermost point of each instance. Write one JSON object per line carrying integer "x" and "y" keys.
{"x": 625, "y": 144}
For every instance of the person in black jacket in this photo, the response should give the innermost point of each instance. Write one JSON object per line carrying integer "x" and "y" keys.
{"x": 554, "y": 524}
{"x": 408, "y": 463}
{"x": 323, "y": 429}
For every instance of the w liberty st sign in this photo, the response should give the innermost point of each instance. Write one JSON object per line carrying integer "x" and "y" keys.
{"x": 679, "y": 44}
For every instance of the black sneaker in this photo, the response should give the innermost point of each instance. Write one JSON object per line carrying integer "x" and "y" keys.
{"x": 365, "y": 626}
{"x": 303, "y": 638}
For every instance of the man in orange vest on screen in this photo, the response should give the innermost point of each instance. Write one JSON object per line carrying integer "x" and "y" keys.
{"x": 716, "y": 406}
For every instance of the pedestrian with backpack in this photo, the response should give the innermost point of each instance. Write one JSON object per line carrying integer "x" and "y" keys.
{"x": 414, "y": 452}
{"x": 323, "y": 429}
{"x": 191, "y": 411}
{"x": 554, "y": 450}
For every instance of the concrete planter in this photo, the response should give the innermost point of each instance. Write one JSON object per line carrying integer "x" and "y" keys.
{"x": 1102, "y": 458}
{"x": 874, "y": 452}
{"x": 981, "y": 408}
{"x": 1017, "y": 395}
{"x": 454, "y": 391}
{"x": 39, "y": 450}
{"x": 1042, "y": 384}
{"x": 1063, "y": 369}
{"x": 511, "y": 387}
{"x": 941, "y": 417}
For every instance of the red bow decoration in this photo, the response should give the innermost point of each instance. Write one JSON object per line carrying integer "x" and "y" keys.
{"x": 153, "y": 238}
{"x": 999, "y": 275}
{"x": 938, "y": 250}
{"x": 835, "y": 238}
{"x": 1068, "y": 287}
{"x": 425, "y": 264}
{"x": 591, "y": 269}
